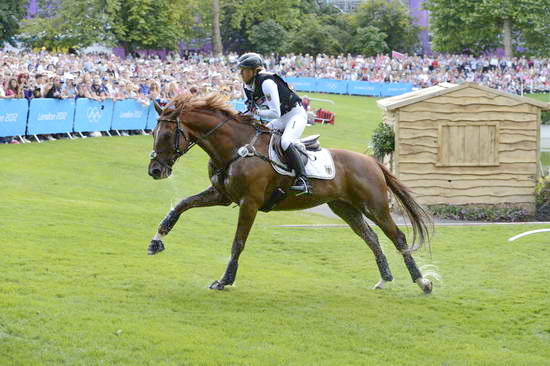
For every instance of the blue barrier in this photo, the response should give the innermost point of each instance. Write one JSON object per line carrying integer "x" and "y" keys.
{"x": 393, "y": 89}
{"x": 239, "y": 105}
{"x": 302, "y": 84}
{"x": 364, "y": 88}
{"x": 45, "y": 116}
{"x": 152, "y": 117}
{"x": 91, "y": 115}
{"x": 129, "y": 114}
{"x": 50, "y": 116}
{"x": 13, "y": 117}
{"x": 331, "y": 86}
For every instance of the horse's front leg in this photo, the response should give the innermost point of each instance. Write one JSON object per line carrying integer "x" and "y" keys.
{"x": 209, "y": 197}
{"x": 247, "y": 214}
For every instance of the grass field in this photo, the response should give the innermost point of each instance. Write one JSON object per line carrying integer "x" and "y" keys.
{"x": 78, "y": 288}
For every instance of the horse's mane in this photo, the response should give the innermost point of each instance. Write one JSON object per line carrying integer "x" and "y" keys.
{"x": 214, "y": 102}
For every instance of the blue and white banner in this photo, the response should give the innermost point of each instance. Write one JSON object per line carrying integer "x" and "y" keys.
{"x": 50, "y": 116}
{"x": 129, "y": 114}
{"x": 92, "y": 115}
{"x": 152, "y": 117}
{"x": 393, "y": 89}
{"x": 364, "y": 88}
{"x": 13, "y": 117}
{"x": 239, "y": 105}
{"x": 302, "y": 84}
{"x": 331, "y": 86}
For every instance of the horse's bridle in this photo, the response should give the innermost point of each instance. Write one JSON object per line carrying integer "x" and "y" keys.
{"x": 190, "y": 142}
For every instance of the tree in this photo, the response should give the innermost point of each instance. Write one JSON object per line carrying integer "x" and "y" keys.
{"x": 239, "y": 16}
{"x": 216, "y": 37}
{"x": 488, "y": 24}
{"x": 315, "y": 38}
{"x": 11, "y": 12}
{"x": 268, "y": 37}
{"x": 68, "y": 23}
{"x": 369, "y": 41}
{"x": 392, "y": 19}
{"x": 135, "y": 24}
{"x": 152, "y": 24}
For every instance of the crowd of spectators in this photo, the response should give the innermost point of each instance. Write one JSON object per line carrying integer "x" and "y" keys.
{"x": 49, "y": 75}
{"x": 513, "y": 75}
{"x": 99, "y": 76}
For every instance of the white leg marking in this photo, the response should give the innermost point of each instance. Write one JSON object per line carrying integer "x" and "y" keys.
{"x": 158, "y": 236}
{"x": 379, "y": 285}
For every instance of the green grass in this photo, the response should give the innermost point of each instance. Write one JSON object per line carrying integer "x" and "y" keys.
{"x": 78, "y": 288}
{"x": 541, "y": 97}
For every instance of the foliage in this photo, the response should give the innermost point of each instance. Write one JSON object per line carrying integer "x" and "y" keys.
{"x": 383, "y": 140}
{"x": 152, "y": 23}
{"x": 11, "y": 11}
{"x": 545, "y": 118}
{"x": 240, "y": 16}
{"x": 369, "y": 41}
{"x": 268, "y": 37}
{"x": 133, "y": 23}
{"x": 315, "y": 38}
{"x": 542, "y": 191}
{"x": 69, "y": 23}
{"x": 390, "y": 18}
{"x": 458, "y": 25}
{"x": 492, "y": 214}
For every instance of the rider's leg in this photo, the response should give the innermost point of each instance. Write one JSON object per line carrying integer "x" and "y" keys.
{"x": 295, "y": 162}
{"x": 296, "y": 121}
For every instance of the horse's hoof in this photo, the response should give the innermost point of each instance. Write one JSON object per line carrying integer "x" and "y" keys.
{"x": 425, "y": 284}
{"x": 155, "y": 247}
{"x": 216, "y": 285}
{"x": 379, "y": 285}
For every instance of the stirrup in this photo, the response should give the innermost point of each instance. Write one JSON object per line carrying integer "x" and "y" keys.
{"x": 302, "y": 186}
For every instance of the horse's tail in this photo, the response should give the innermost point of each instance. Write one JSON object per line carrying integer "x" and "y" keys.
{"x": 421, "y": 220}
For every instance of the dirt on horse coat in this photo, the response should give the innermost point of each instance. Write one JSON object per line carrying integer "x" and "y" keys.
{"x": 360, "y": 187}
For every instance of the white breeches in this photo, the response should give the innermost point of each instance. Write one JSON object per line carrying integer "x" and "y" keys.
{"x": 293, "y": 123}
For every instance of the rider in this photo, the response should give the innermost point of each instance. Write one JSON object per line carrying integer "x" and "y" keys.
{"x": 268, "y": 96}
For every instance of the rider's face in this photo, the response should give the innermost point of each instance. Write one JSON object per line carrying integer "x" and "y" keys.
{"x": 247, "y": 75}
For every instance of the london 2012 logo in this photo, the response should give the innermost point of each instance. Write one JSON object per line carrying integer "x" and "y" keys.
{"x": 93, "y": 114}
{"x": 9, "y": 117}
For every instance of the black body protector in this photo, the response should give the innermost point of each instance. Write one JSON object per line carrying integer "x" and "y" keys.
{"x": 288, "y": 99}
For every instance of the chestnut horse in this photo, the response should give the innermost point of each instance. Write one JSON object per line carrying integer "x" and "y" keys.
{"x": 360, "y": 187}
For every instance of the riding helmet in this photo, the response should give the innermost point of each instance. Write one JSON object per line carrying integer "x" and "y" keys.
{"x": 250, "y": 60}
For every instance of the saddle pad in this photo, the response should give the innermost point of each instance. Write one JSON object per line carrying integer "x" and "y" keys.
{"x": 320, "y": 164}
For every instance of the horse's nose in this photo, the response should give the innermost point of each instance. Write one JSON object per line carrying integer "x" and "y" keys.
{"x": 155, "y": 172}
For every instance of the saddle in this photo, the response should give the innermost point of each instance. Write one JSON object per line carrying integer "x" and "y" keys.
{"x": 310, "y": 143}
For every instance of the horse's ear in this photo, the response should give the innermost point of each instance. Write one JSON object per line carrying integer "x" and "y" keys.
{"x": 158, "y": 108}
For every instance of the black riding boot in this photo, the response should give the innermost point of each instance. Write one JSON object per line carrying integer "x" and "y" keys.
{"x": 295, "y": 162}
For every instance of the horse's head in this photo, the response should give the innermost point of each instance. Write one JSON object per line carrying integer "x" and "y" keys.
{"x": 171, "y": 141}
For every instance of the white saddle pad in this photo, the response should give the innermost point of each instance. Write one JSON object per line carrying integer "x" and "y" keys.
{"x": 320, "y": 164}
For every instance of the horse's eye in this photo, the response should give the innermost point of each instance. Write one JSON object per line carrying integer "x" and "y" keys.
{"x": 153, "y": 154}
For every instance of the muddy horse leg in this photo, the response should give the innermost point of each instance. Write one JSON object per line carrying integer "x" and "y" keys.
{"x": 386, "y": 223}
{"x": 247, "y": 214}
{"x": 209, "y": 197}
{"x": 355, "y": 220}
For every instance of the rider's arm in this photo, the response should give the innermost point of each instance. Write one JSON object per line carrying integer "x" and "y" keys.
{"x": 272, "y": 103}
{"x": 248, "y": 102}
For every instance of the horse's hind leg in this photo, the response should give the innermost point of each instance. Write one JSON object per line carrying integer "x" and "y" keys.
{"x": 355, "y": 220}
{"x": 383, "y": 219}
{"x": 209, "y": 197}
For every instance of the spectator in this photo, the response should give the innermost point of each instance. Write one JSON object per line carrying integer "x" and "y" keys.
{"x": 12, "y": 90}
{"x": 54, "y": 89}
